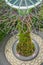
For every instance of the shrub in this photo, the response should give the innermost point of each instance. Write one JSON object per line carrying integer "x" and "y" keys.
{"x": 25, "y": 47}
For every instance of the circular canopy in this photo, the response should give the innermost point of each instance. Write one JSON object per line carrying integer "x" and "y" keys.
{"x": 23, "y": 4}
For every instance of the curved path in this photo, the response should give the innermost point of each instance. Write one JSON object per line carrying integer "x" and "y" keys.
{"x": 39, "y": 33}
{"x": 3, "y": 60}
{"x": 14, "y": 61}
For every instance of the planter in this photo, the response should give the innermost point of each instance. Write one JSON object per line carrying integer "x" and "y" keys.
{"x": 23, "y": 58}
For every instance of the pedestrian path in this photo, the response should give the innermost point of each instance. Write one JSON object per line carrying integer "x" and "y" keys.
{"x": 14, "y": 61}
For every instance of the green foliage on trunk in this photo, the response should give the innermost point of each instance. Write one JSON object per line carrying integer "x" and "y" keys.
{"x": 25, "y": 47}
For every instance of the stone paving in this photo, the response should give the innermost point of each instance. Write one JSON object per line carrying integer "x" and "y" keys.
{"x": 14, "y": 61}
{"x": 3, "y": 60}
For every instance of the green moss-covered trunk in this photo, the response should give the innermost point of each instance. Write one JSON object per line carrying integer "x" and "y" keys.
{"x": 25, "y": 37}
{"x": 25, "y": 47}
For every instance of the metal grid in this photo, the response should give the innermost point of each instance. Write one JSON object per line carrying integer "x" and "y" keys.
{"x": 23, "y": 4}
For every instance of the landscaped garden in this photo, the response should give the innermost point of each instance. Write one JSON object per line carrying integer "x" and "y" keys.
{"x": 25, "y": 45}
{"x": 6, "y": 24}
{"x": 8, "y": 17}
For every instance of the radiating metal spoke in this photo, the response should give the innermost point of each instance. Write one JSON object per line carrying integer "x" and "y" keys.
{"x": 26, "y": 3}
{"x": 15, "y": 2}
{"x": 34, "y": 6}
{"x": 31, "y": 2}
{"x": 20, "y": 3}
{"x": 9, "y": 0}
{"x": 38, "y": 0}
{"x": 19, "y": 7}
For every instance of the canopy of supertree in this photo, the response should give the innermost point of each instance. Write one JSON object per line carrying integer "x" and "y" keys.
{"x": 23, "y": 4}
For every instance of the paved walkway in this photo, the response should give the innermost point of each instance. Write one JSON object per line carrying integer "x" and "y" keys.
{"x": 3, "y": 60}
{"x": 39, "y": 33}
{"x": 14, "y": 61}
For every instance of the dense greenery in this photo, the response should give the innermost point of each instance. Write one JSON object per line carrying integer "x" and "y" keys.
{"x": 27, "y": 11}
{"x": 6, "y": 20}
{"x": 8, "y": 16}
{"x": 25, "y": 47}
{"x": 41, "y": 13}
